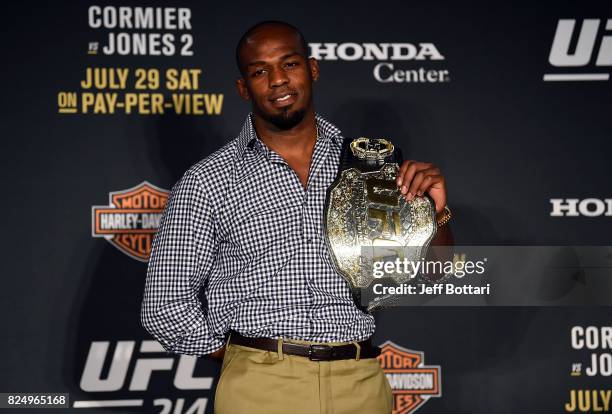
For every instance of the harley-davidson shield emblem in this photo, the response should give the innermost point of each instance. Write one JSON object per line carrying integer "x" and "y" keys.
{"x": 130, "y": 220}
{"x": 413, "y": 383}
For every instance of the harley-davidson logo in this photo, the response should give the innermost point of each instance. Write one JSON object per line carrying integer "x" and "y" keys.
{"x": 413, "y": 383}
{"x": 131, "y": 219}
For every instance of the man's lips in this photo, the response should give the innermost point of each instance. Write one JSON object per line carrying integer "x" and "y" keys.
{"x": 283, "y": 99}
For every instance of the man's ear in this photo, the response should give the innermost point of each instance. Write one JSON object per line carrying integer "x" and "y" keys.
{"x": 313, "y": 64}
{"x": 242, "y": 89}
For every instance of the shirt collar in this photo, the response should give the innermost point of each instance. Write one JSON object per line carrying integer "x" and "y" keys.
{"x": 325, "y": 130}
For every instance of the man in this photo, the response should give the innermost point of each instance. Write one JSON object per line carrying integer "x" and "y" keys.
{"x": 245, "y": 225}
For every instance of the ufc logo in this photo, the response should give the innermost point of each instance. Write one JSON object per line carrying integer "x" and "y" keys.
{"x": 574, "y": 207}
{"x": 383, "y": 205}
{"x": 119, "y": 370}
{"x": 560, "y": 55}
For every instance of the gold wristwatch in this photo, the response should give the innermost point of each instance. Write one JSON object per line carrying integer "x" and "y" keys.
{"x": 446, "y": 215}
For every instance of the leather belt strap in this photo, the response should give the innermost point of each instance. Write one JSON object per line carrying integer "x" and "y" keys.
{"x": 313, "y": 352}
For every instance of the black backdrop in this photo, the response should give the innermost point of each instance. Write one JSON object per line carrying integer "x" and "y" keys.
{"x": 507, "y": 140}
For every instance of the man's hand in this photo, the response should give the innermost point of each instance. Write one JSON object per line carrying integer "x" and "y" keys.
{"x": 416, "y": 178}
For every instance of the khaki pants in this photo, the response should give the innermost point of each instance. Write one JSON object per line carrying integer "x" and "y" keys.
{"x": 254, "y": 381}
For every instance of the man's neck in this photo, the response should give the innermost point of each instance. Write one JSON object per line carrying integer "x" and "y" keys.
{"x": 290, "y": 142}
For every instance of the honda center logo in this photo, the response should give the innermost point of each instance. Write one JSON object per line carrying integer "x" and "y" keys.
{"x": 424, "y": 60}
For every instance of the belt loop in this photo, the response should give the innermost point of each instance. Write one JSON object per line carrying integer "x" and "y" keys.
{"x": 281, "y": 356}
{"x": 358, "y": 352}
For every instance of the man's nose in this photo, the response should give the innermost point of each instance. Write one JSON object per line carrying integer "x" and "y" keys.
{"x": 278, "y": 77}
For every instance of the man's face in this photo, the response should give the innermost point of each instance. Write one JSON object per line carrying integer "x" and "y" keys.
{"x": 277, "y": 77}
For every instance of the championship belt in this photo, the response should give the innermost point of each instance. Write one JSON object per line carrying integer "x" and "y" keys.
{"x": 366, "y": 216}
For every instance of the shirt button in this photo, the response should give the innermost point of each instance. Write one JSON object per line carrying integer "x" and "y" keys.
{"x": 309, "y": 240}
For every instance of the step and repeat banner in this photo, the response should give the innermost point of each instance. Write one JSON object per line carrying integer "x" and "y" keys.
{"x": 106, "y": 104}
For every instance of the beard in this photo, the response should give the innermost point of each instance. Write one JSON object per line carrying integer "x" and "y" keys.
{"x": 286, "y": 119}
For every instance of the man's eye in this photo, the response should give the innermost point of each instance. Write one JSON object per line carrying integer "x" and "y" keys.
{"x": 291, "y": 64}
{"x": 258, "y": 72}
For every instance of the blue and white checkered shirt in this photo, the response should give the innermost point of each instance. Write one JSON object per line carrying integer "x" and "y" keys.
{"x": 240, "y": 225}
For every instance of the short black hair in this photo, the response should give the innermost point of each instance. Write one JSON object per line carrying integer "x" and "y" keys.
{"x": 257, "y": 26}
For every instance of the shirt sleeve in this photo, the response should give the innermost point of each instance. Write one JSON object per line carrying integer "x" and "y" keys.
{"x": 182, "y": 256}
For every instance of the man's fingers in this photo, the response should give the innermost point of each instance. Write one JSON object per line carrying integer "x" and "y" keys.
{"x": 432, "y": 176}
{"x": 414, "y": 177}
{"x": 416, "y": 182}
{"x": 402, "y": 170}
{"x": 412, "y": 168}
{"x": 428, "y": 182}
{"x": 417, "y": 178}
{"x": 425, "y": 184}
